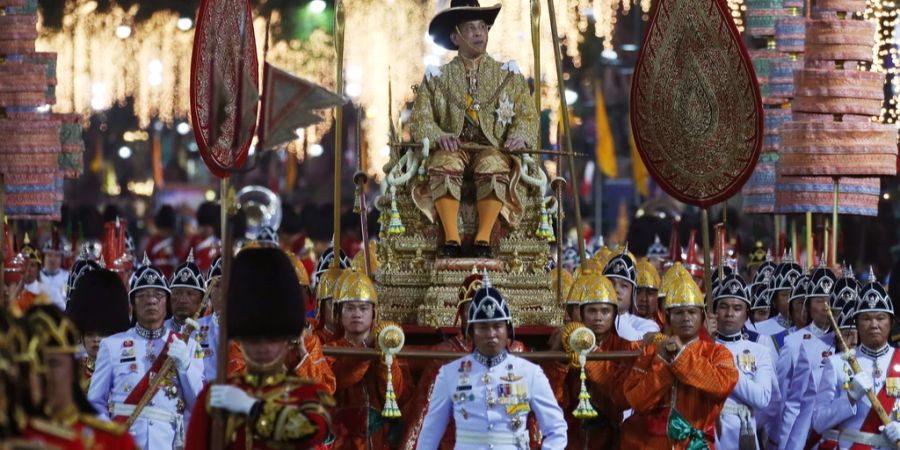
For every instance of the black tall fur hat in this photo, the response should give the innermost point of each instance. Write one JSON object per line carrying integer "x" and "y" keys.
{"x": 264, "y": 298}
{"x": 99, "y": 304}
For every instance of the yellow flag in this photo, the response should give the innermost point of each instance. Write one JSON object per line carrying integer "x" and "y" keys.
{"x": 606, "y": 149}
{"x": 638, "y": 169}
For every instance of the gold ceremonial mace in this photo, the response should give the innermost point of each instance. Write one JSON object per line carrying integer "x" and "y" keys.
{"x": 561, "y": 84}
{"x": 338, "y": 130}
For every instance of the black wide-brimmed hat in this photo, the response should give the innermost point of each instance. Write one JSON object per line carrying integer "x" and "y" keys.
{"x": 459, "y": 11}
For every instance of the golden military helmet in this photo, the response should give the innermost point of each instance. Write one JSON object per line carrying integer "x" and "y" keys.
{"x": 468, "y": 287}
{"x": 355, "y": 286}
{"x": 602, "y": 256}
{"x": 567, "y": 282}
{"x": 302, "y": 274}
{"x": 359, "y": 260}
{"x": 592, "y": 287}
{"x": 589, "y": 265}
{"x": 328, "y": 283}
{"x": 672, "y": 273}
{"x": 647, "y": 277}
{"x": 684, "y": 292}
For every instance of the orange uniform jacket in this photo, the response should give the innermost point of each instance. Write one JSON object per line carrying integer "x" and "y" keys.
{"x": 703, "y": 375}
{"x": 293, "y": 415}
{"x": 605, "y": 380}
{"x": 313, "y": 367}
{"x": 360, "y": 398}
{"x": 87, "y": 433}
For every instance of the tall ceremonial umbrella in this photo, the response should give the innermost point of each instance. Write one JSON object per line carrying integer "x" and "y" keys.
{"x": 696, "y": 111}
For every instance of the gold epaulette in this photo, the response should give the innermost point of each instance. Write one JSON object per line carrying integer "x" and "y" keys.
{"x": 52, "y": 429}
{"x": 112, "y": 428}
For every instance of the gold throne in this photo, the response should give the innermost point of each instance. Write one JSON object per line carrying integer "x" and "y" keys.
{"x": 416, "y": 286}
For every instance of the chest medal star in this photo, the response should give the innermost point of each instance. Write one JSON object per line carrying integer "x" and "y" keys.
{"x": 505, "y": 111}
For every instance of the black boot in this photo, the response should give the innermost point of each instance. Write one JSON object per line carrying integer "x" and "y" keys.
{"x": 482, "y": 249}
{"x": 451, "y": 250}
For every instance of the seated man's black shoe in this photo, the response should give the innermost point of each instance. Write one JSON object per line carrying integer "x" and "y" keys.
{"x": 482, "y": 249}
{"x": 451, "y": 250}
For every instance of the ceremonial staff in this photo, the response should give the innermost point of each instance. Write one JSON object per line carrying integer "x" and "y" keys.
{"x": 564, "y": 111}
{"x": 854, "y": 364}
{"x": 338, "y": 130}
{"x": 428, "y": 354}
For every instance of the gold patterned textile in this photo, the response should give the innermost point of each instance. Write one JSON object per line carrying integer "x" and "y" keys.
{"x": 499, "y": 109}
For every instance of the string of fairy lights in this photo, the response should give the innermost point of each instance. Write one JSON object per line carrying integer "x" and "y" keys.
{"x": 884, "y": 14}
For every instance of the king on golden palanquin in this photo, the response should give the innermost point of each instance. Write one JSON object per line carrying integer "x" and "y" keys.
{"x": 473, "y": 99}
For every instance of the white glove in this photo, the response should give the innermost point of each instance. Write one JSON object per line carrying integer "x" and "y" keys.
{"x": 862, "y": 383}
{"x": 230, "y": 398}
{"x": 891, "y": 431}
{"x": 178, "y": 351}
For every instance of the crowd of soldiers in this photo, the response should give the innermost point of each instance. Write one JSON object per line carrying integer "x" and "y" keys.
{"x": 793, "y": 359}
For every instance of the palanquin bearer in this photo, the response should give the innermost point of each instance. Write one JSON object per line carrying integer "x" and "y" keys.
{"x": 598, "y": 301}
{"x": 473, "y": 99}
{"x": 99, "y": 308}
{"x": 61, "y": 417}
{"x": 266, "y": 407}
{"x": 843, "y": 413}
{"x": 360, "y": 392}
{"x": 679, "y": 385}
{"x": 805, "y": 352}
{"x": 490, "y": 392}
{"x": 756, "y": 381}
{"x": 622, "y": 272}
{"x": 53, "y": 275}
{"x": 456, "y": 343}
{"x": 126, "y": 360}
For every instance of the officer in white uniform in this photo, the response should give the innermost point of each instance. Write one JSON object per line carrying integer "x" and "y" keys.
{"x": 623, "y": 274}
{"x": 53, "y": 276}
{"x": 753, "y": 391}
{"x": 782, "y": 283}
{"x": 842, "y": 410}
{"x": 125, "y": 358}
{"x": 187, "y": 281}
{"x": 813, "y": 343}
{"x": 490, "y": 392}
{"x": 208, "y": 334}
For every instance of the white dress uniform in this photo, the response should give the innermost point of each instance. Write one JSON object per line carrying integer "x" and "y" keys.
{"x": 55, "y": 285}
{"x": 633, "y": 328}
{"x": 836, "y": 417}
{"x": 773, "y": 325}
{"x": 751, "y": 394}
{"x": 122, "y": 361}
{"x": 818, "y": 345}
{"x": 489, "y": 400}
{"x": 208, "y": 339}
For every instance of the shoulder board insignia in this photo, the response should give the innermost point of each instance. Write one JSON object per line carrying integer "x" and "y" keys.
{"x": 108, "y": 427}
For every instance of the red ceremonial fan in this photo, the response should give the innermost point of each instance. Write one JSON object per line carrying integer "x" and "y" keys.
{"x": 224, "y": 84}
{"x": 696, "y": 111}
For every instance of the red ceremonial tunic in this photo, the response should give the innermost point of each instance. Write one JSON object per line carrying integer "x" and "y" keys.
{"x": 86, "y": 433}
{"x": 294, "y": 415}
